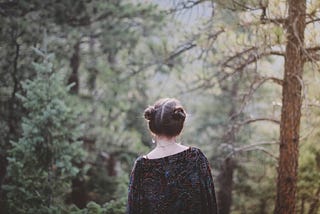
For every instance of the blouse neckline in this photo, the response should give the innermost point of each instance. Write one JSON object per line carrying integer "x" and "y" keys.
{"x": 173, "y": 156}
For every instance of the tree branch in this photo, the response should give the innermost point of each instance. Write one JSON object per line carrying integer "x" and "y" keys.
{"x": 180, "y": 50}
{"x": 311, "y": 54}
{"x": 265, "y": 151}
{"x": 313, "y": 49}
{"x": 317, "y": 105}
{"x": 237, "y": 55}
{"x": 184, "y": 5}
{"x": 246, "y": 57}
{"x": 255, "y": 146}
{"x": 274, "y": 79}
{"x": 312, "y": 21}
{"x": 253, "y": 57}
{"x": 260, "y": 119}
{"x": 277, "y": 21}
{"x": 277, "y": 53}
{"x": 169, "y": 61}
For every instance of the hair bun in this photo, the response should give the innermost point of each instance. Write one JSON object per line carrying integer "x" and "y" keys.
{"x": 179, "y": 114}
{"x": 149, "y": 113}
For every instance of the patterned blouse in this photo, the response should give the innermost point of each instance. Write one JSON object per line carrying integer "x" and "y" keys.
{"x": 177, "y": 184}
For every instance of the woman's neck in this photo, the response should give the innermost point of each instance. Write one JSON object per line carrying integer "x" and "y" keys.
{"x": 165, "y": 143}
{"x": 165, "y": 147}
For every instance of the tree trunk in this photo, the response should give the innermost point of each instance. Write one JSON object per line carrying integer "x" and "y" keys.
{"x": 302, "y": 205}
{"x": 263, "y": 207}
{"x": 74, "y": 64}
{"x": 315, "y": 203}
{"x": 225, "y": 180}
{"x": 79, "y": 194}
{"x": 291, "y": 109}
{"x": 13, "y": 110}
{"x": 225, "y": 177}
{"x": 92, "y": 67}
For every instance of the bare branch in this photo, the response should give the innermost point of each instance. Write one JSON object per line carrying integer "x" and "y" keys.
{"x": 265, "y": 151}
{"x": 260, "y": 119}
{"x": 313, "y": 49}
{"x": 277, "y": 21}
{"x": 237, "y": 55}
{"x": 311, "y": 53}
{"x": 312, "y": 21}
{"x": 316, "y": 105}
{"x": 169, "y": 61}
{"x": 255, "y": 146}
{"x": 277, "y": 53}
{"x": 180, "y": 50}
{"x": 184, "y": 5}
{"x": 274, "y": 79}
{"x": 255, "y": 85}
{"x": 246, "y": 58}
{"x": 253, "y": 57}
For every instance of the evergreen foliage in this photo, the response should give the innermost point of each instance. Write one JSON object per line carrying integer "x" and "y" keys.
{"x": 94, "y": 43}
{"x": 112, "y": 207}
{"x": 112, "y": 59}
{"x": 44, "y": 160}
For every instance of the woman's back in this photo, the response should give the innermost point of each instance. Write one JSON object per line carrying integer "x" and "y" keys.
{"x": 180, "y": 183}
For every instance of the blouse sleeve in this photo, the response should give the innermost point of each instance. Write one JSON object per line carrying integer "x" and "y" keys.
{"x": 134, "y": 190}
{"x": 209, "y": 205}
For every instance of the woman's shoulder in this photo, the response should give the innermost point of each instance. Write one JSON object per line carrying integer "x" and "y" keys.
{"x": 139, "y": 160}
{"x": 137, "y": 163}
{"x": 196, "y": 150}
{"x": 199, "y": 154}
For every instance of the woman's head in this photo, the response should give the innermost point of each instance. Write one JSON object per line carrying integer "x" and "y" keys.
{"x": 166, "y": 117}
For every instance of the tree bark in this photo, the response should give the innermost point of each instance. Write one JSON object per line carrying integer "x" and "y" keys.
{"x": 315, "y": 203}
{"x": 225, "y": 181}
{"x": 74, "y": 64}
{"x": 92, "y": 68}
{"x": 13, "y": 119}
{"x": 302, "y": 205}
{"x": 291, "y": 109}
{"x": 228, "y": 165}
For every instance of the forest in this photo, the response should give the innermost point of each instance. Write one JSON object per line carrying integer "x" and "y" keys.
{"x": 76, "y": 76}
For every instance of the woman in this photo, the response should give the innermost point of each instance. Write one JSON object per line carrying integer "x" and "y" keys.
{"x": 172, "y": 178}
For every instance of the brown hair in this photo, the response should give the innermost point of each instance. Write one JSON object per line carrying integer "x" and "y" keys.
{"x": 166, "y": 117}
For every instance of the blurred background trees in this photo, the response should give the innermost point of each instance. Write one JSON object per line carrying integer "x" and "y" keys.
{"x": 97, "y": 47}
{"x": 76, "y": 75}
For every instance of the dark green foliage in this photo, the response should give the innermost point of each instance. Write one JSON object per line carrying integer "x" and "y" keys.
{"x": 309, "y": 163}
{"x": 43, "y": 161}
{"x": 112, "y": 207}
{"x": 92, "y": 42}
{"x": 116, "y": 61}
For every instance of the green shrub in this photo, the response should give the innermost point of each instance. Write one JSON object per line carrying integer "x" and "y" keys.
{"x": 42, "y": 162}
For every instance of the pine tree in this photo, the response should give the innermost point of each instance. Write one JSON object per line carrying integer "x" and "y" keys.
{"x": 42, "y": 162}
